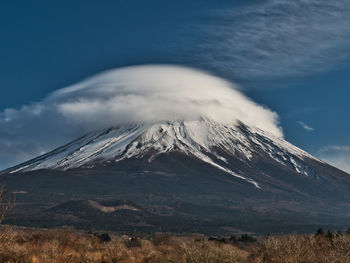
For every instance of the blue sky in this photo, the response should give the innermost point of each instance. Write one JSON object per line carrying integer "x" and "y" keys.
{"x": 292, "y": 57}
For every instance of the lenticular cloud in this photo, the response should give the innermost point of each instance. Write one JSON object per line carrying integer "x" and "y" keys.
{"x": 149, "y": 94}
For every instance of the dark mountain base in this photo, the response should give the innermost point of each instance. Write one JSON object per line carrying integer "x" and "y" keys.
{"x": 175, "y": 193}
{"x": 128, "y": 222}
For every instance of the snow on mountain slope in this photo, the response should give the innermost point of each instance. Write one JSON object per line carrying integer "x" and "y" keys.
{"x": 199, "y": 139}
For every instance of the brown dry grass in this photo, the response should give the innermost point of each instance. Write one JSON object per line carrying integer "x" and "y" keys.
{"x": 59, "y": 246}
{"x": 299, "y": 248}
{"x": 65, "y": 246}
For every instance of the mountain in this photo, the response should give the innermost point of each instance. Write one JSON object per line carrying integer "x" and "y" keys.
{"x": 205, "y": 140}
{"x": 226, "y": 178}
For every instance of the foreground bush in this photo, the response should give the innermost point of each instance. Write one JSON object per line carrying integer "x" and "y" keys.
{"x": 298, "y": 248}
{"x": 60, "y": 246}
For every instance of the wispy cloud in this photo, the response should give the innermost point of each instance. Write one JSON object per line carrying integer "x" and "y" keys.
{"x": 305, "y": 126}
{"x": 329, "y": 148}
{"x": 276, "y": 38}
{"x": 341, "y": 161}
{"x": 337, "y": 155}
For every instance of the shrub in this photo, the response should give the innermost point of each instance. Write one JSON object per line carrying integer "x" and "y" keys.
{"x": 319, "y": 232}
{"x": 6, "y": 202}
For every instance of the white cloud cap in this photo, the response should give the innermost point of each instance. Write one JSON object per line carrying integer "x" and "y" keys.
{"x": 149, "y": 93}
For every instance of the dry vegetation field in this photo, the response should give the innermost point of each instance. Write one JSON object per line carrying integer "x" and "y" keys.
{"x": 59, "y": 245}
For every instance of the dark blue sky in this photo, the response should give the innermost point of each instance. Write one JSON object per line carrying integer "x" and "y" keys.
{"x": 303, "y": 76}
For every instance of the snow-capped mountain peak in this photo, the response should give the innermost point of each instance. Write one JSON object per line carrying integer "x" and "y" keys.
{"x": 212, "y": 142}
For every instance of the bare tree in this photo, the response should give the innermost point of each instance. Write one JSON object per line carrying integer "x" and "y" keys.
{"x": 6, "y": 202}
